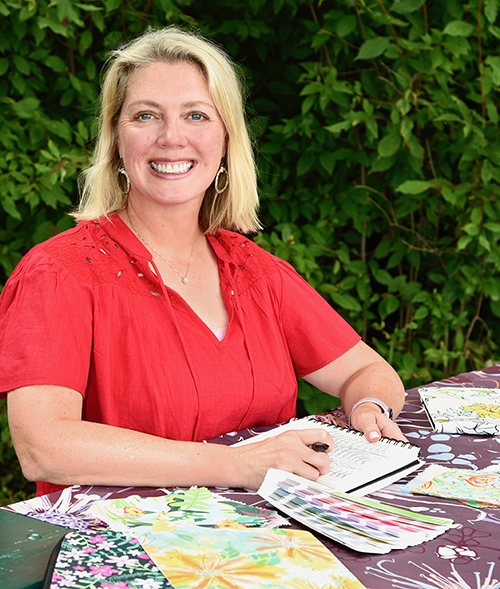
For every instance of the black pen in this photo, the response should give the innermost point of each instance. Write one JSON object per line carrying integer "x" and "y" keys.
{"x": 319, "y": 447}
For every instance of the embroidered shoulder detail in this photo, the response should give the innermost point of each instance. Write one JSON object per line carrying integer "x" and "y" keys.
{"x": 250, "y": 262}
{"x": 90, "y": 255}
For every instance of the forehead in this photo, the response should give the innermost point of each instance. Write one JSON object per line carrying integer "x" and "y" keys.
{"x": 168, "y": 80}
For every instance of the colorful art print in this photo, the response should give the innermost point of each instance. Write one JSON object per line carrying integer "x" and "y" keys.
{"x": 251, "y": 559}
{"x": 472, "y": 486}
{"x": 462, "y": 410}
{"x": 71, "y": 509}
{"x": 103, "y": 560}
{"x": 196, "y": 506}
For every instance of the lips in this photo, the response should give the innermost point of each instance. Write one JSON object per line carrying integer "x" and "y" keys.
{"x": 172, "y": 169}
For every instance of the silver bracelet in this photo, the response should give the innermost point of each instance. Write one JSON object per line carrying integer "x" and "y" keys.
{"x": 386, "y": 410}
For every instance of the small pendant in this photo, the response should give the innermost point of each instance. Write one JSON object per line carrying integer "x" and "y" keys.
{"x": 185, "y": 280}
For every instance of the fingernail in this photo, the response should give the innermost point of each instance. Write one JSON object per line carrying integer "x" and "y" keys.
{"x": 374, "y": 435}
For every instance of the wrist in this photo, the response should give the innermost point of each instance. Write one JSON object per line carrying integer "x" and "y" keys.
{"x": 386, "y": 410}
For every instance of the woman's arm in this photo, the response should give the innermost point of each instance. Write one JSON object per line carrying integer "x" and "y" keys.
{"x": 55, "y": 445}
{"x": 357, "y": 374}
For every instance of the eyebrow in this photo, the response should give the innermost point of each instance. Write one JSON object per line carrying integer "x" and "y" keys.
{"x": 193, "y": 104}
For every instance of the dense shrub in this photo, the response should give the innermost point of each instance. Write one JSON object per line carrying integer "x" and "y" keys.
{"x": 376, "y": 124}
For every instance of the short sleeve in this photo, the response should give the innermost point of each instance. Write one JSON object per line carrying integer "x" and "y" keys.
{"x": 316, "y": 334}
{"x": 46, "y": 326}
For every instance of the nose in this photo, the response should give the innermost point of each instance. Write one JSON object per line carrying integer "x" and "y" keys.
{"x": 171, "y": 134}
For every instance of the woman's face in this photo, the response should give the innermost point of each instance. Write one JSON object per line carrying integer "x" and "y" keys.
{"x": 170, "y": 135}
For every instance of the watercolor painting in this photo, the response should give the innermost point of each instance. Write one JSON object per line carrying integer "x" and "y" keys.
{"x": 197, "y": 506}
{"x": 254, "y": 559}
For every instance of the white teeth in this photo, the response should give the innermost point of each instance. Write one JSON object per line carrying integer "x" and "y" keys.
{"x": 171, "y": 169}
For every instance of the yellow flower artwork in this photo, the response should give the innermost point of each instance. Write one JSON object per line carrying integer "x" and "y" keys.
{"x": 254, "y": 559}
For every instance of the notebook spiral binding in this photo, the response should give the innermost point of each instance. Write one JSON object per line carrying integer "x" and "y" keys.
{"x": 353, "y": 432}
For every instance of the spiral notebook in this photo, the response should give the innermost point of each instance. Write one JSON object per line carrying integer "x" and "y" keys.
{"x": 358, "y": 466}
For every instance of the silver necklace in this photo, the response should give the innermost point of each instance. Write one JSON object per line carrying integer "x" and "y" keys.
{"x": 184, "y": 277}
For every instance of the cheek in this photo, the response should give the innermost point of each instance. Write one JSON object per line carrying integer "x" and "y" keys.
{"x": 133, "y": 145}
{"x": 214, "y": 144}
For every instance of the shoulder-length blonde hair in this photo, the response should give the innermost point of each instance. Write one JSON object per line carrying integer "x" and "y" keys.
{"x": 101, "y": 188}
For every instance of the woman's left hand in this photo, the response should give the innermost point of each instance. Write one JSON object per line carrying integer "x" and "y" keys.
{"x": 369, "y": 419}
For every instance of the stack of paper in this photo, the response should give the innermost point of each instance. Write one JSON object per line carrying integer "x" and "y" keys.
{"x": 361, "y": 524}
{"x": 200, "y": 539}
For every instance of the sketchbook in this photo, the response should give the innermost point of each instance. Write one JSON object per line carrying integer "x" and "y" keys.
{"x": 358, "y": 466}
{"x": 458, "y": 410}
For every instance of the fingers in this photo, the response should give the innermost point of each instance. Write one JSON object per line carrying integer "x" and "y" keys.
{"x": 290, "y": 451}
{"x": 374, "y": 424}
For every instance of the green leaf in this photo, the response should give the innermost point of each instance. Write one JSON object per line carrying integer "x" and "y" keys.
{"x": 112, "y": 5}
{"x": 9, "y": 206}
{"x": 88, "y": 7}
{"x": 491, "y": 10}
{"x": 449, "y": 195}
{"x": 421, "y": 313}
{"x": 382, "y": 277}
{"x": 494, "y": 62}
{"x": 483, "y": 240}
{"x": 55, "y": 63}
{"x": 25, "y": 107}
{"x": 471, "y": 229}
{"x": 57, "y": 27}
{"x": 463, "y": 242}
{"x": 4, "y": 65}
{"x": 373, "y": 48}
{"x": 345, "y": 301}
{"x": 346, "y": 25}
{"x": 314, "y": 88}
{"x": 407, "y": 6}
{"x": 493, "y": 227}
{"x": 21, "y": 64}
{"x": 85, "y": 41}
{"x": 339, "y": 127}
{"x": 390, "y": 144}
{"x": 459, "y": 28}
{"x": 327, "y": 160}
{"x": 4, "y": 11}
{"x": 415, "y": 186}
{"x": 387, "y": 306}
{"x": 449, "y": 116}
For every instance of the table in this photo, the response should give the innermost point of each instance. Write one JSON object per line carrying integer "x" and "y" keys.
{"x": 466, "y": 557}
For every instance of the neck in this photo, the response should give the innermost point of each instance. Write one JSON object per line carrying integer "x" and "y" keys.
{"x": 171, "y": 234}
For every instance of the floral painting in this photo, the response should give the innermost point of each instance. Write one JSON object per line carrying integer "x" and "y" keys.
{"x": 251, "y": 558}
{"x": 197, "y": 506}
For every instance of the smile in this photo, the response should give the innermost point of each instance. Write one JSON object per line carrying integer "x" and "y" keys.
{"x": 171, "y": 168}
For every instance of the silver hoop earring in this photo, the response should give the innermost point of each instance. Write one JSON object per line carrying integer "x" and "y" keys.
{"x": 122, "y": 170}
{"x": 222, "y": 170}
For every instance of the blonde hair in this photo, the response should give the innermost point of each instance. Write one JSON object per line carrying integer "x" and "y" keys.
{"x": 102, "y": 190}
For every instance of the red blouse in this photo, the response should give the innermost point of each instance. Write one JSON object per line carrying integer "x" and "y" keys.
{"x": 85, "y": 310}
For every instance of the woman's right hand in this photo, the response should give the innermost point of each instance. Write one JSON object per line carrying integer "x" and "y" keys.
{"x": 290, "y": 451}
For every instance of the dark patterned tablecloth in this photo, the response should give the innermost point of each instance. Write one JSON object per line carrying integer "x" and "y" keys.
{"x": 465, "y": 557}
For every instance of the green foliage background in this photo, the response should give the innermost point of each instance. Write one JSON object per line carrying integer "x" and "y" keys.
{"x": 379, "y": 156}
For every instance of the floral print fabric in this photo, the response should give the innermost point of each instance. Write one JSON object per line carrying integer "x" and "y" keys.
{"x": 103, "y": 560}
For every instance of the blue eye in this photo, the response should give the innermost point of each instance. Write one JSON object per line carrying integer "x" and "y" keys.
{"x": 197, "y": 116}
{"x": 145, "y": 116}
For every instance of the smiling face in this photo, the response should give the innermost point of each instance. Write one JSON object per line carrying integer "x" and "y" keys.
{"x": 170, "y": 135}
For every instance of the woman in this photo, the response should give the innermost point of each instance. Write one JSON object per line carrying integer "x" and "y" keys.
{"x": 150, "y": 327}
